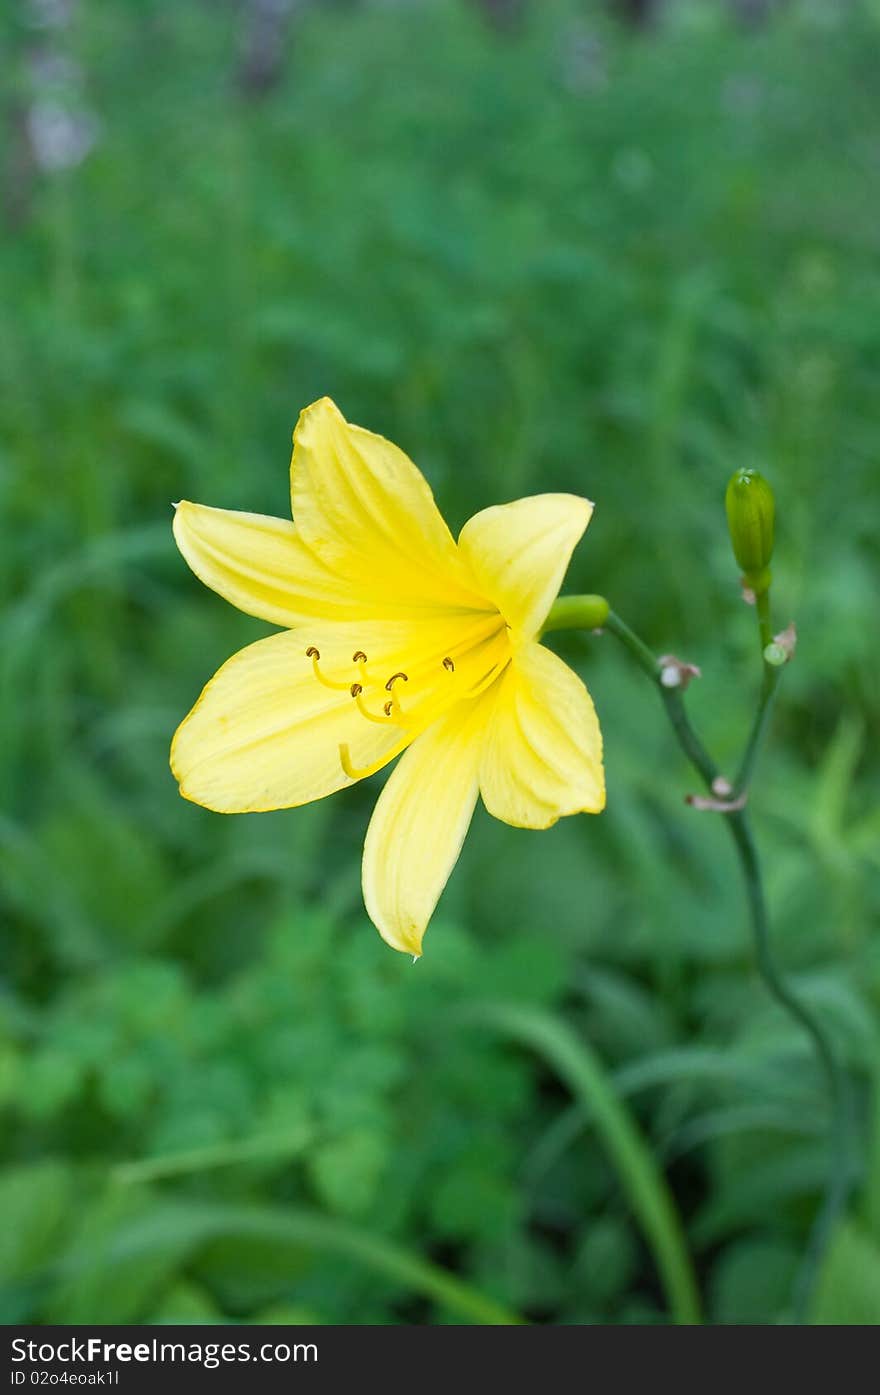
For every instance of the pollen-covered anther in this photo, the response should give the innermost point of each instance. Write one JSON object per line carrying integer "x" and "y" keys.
{"x": 314, "y": 654}
{"x": 393, "y": 679}
{"x": 356, "y": 689}
{"x": 449, "y": 665}
{"x": 360, "y": 659}
{"x": 387, "y": 709}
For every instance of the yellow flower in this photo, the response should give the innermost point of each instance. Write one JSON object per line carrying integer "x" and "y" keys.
{"x": 395, "y": 637}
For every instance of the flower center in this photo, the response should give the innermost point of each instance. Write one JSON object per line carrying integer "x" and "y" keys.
{"x": 411, "y": 697}
{"x": 369, "y": 692}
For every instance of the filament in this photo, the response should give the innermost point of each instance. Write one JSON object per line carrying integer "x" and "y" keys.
{"x": 357, "y": 694}
{"x": 315, "y": 654}
{"x": 355, "y": 772}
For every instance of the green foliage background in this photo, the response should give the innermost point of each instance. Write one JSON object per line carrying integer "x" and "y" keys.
{"x": 564, "y": 258}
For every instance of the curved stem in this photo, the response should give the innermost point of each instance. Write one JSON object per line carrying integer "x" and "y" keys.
{"x": 637, "y": 647}
{"x": 769, "y": 684}
{"x": 839, "y": 1175}
{"x": 672, "y": 698}
{"x": 740, "y": 828}
{"x": 687, "y": 738}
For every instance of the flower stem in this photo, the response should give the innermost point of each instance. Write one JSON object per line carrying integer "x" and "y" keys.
{"x": 837, "y": 1185}
{"x": 637, "y": 647}
{"x": 769, "y": 684}
{"x": 672, "y": 698}
{"x": 762, "y": 606}
{"x": 737, "y": 820}
{"x": 577, "y": 613}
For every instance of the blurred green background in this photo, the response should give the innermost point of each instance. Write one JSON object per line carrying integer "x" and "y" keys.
{"x": 542, "y": 249}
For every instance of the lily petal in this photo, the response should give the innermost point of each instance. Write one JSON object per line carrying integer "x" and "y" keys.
{"x": 260, "y": 565}
{"x": 519, "y": 554}
{"x": 419, "y": 824}
{"x": 265, "y": 734}
{"x": 362, "y": 506}
{"x": 542, "y": 757}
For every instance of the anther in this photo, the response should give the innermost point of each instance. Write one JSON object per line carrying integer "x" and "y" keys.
{"x": 356, "y": 689}
{"x": 449, "y": 665}
{"x": 387, "y": 708}
{"x": 359, "y": 657}
{"x": 314, "y": 654}
{"x": 393, "y": 679}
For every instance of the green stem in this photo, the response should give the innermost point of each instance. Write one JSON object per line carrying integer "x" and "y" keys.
{"x": 687, "y": 738}
{"x": 762, "y": 606}
{"x": 577, "y": 613}
{"x": 740, "y": 829}
{"x": 837, "y": 1187}
{"x": 637, "y": 647}
{"x": 769, "y": 684}
{"x": 672, "y": 698}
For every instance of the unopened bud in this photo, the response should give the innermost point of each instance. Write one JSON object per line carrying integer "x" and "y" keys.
{"x": 750, "y": 512}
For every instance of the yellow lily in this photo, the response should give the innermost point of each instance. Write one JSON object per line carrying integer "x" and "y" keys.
{"x": 395, "y": 637}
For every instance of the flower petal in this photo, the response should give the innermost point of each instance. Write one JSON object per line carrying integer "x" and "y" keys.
{"x": 265, "y": 734}
{"x": 519, "y": 554}
{"x": 419, "y": 825}
{"x": 542, "y": 757}
{"x": 262, "y": 566}
{"x": 369, "y": 514}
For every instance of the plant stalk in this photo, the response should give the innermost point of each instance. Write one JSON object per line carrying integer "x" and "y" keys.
{"x": 737, "y": 820}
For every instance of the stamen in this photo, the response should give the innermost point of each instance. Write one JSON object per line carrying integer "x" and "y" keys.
{"x": 315, "y": 654}
{"x": 355, "y": 772}
{"x": 364, "y": 710}
{"x": 393, "y": 679}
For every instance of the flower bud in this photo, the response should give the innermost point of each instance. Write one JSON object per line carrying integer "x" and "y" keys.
{"x": 750, "y": 509}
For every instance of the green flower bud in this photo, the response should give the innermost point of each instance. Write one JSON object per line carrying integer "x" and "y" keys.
{"x": 750, "y": 509}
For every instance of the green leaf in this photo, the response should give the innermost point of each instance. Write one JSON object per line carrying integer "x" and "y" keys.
{"x": 848, "y": 1289}
{"x": 35, "y": 1200}
{"x": 149, "y": 1242}
{"x": 644, "y": 1185}
{"x": 347, "y": 1170}
{"x": 186, "y": 1302}
{"x": 752, "y": 1281}
{"x": 99, "y": 1274}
